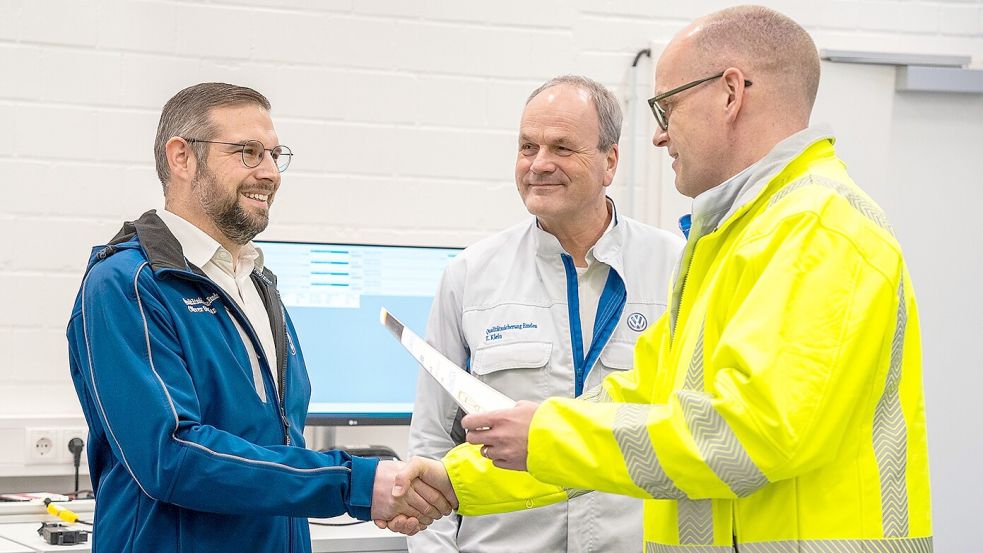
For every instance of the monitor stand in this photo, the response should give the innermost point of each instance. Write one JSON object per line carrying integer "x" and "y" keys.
{"x": 322, "y": 438}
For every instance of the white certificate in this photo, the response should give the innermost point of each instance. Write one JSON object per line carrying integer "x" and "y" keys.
{"x": 473, "y": 395}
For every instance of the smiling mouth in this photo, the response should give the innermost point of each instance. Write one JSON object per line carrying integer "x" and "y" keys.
{"x": 257, "y": 196}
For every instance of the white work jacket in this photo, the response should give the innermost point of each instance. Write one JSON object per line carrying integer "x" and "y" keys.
{"x": 504, "y": 310}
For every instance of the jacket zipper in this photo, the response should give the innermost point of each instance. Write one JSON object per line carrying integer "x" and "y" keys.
{"x": 279, "y": 394}
{"x": 282, "y": 373}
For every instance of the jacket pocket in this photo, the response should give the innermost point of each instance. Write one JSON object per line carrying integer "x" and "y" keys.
{"x": 514, "y": 368}
{"x": 618, "y": 356}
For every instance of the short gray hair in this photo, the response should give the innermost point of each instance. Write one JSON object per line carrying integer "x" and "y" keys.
{"x": 608, "y": 108}
{"x": 187, "y": 115}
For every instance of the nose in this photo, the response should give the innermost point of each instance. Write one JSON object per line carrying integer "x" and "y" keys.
{"x": 267, "y": 169}
{"x": 543, "y": 162}
{"x": 661, "y": 137}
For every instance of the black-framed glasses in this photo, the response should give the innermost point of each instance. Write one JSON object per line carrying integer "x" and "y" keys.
{"x": 253, "y": 152}
{"x": 661, "y": 116}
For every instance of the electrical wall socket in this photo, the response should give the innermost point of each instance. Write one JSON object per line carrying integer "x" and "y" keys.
{"x": 49, "y": 445}
{"x": 66, "y": 436}
{"x": 41, "y": 446}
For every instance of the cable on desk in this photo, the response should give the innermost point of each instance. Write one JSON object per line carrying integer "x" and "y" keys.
{"x": 337, "y": 523}
{"x": 63, "y": 513}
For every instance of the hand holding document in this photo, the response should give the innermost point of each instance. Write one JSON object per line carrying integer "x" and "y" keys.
{"x": 473, "y": 395}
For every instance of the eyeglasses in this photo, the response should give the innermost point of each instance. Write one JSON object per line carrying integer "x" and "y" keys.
{"x": 661, "y": 116}
{"x": 253, "y": 152}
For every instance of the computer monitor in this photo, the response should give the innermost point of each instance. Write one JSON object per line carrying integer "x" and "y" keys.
{"x": 359, "y": 374}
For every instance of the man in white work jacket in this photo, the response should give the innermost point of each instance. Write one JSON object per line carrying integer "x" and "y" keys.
{"x": 548, "y": 308}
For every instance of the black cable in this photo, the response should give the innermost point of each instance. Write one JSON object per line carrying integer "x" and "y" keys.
{"x": 67, "y": 515}
{"x": 337, "y": 523}
{"x": 76, "y": 445}
{"x": 639, "y": 54}
{"x": 81, "y": 494}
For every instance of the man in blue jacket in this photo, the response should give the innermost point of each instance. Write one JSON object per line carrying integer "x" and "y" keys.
{"x": 188, "y": 368}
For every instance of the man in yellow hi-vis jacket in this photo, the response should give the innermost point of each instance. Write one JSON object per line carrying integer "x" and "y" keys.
{"x": 777, "y": 406}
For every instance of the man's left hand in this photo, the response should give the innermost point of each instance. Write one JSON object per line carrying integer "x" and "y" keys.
{"x": 504, "y": 434}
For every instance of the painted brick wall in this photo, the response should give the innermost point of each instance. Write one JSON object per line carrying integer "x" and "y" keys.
{"x": 402, "y": 115}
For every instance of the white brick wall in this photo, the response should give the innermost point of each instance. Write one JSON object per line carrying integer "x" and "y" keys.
{"x": 402, "y": 115}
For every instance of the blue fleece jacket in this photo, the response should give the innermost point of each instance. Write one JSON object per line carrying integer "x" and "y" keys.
{"x": 183, "y": 453}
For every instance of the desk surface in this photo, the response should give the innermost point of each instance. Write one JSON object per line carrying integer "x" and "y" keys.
{"x": 26, "y": 534}
{"x": 22, "y": 537}
{"x": 7, "y": 546}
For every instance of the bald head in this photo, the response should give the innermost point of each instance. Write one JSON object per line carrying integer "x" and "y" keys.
{"x": 753, "y": 76}
{"x": 762, "y": 42}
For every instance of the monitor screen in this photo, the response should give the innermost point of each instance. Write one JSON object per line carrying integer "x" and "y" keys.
{"x": 333, "y": 292}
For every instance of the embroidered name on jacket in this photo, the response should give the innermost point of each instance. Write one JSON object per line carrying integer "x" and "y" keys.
{"x": 198, "y": 305}
{"x": 495, "y": 332}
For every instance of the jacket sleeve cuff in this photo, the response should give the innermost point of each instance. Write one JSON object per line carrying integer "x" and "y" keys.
{"x": 363, "y": 481}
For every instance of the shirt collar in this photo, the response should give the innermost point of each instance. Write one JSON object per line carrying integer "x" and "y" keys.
{"x": 200, "y": 248}
{"x": 716, "y": 205}
{"x": 547, "y": 244}
{"x": 607, "y": 249}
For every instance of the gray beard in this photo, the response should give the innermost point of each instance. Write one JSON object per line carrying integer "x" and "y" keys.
{"x": 230, "y": 218}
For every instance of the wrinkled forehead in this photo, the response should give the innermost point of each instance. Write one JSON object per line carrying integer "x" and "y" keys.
{"x": 561, "y": 108}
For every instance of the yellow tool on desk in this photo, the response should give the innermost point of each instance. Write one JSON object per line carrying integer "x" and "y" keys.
{"x": 62, "y": 513}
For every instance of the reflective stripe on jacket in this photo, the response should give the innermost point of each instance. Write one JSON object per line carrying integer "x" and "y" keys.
{"x": 778, "y": 408}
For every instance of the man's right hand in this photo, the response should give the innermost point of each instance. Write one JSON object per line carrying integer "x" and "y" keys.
{"x": 411, "y": 510}
{"x": 421, "y": 472}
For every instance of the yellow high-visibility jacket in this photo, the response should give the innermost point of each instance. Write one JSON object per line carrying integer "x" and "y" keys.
{"x": 776, "y": 406}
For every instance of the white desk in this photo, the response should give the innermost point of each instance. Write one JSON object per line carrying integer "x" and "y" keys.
{"x": 23, "y": 537}
{"x": 364, "y": 538}
{"x": 26, "y": 534}
{"x": 7, "y": 546}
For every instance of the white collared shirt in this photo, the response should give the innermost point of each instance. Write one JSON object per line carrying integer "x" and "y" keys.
{"x": 590, "y": 285}
{"x": 206, "y": 253}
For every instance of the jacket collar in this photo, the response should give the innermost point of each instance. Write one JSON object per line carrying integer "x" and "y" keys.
{"x": 200, "y": 248}
{"x": 162, "y": 249}
{"x": 607, "y": 249}
{"x": 716, "y": 206}
{"x": 724, "y": 203}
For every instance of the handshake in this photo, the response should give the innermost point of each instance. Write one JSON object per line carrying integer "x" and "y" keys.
{"x": 408, "y": 497}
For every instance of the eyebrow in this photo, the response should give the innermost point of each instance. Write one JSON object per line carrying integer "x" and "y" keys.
{"x": 563, "y": 140}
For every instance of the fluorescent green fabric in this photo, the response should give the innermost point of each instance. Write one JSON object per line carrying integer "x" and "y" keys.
{"x": 786, "y": 406}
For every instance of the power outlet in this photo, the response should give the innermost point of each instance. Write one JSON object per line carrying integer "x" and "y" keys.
{"x": 41, "y": 446}
{"x": 67, "y": 434}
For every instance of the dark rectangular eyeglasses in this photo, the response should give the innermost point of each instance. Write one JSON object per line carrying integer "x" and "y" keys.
{"x": 660, "y": 114}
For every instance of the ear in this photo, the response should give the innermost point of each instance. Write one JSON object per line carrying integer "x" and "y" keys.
{"x": 733, "y": 79}
{"x": 181, "y": 160}
{"x": 610, "y": 164}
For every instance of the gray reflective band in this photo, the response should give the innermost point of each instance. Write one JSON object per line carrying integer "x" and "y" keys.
{"x": 891, "y": 436}
{"x": 597, "y": 394}
{"x": 651, "y": 547}
{"x": 866, "y": 207}
{"x": 694, "y": 375}
{"x": 720, "y": 448}
{"x": 572, "y": 493}
{"x": 695, "y": 518}
{"x": 903, "y": 545}
{"x": 631, "y": 433}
